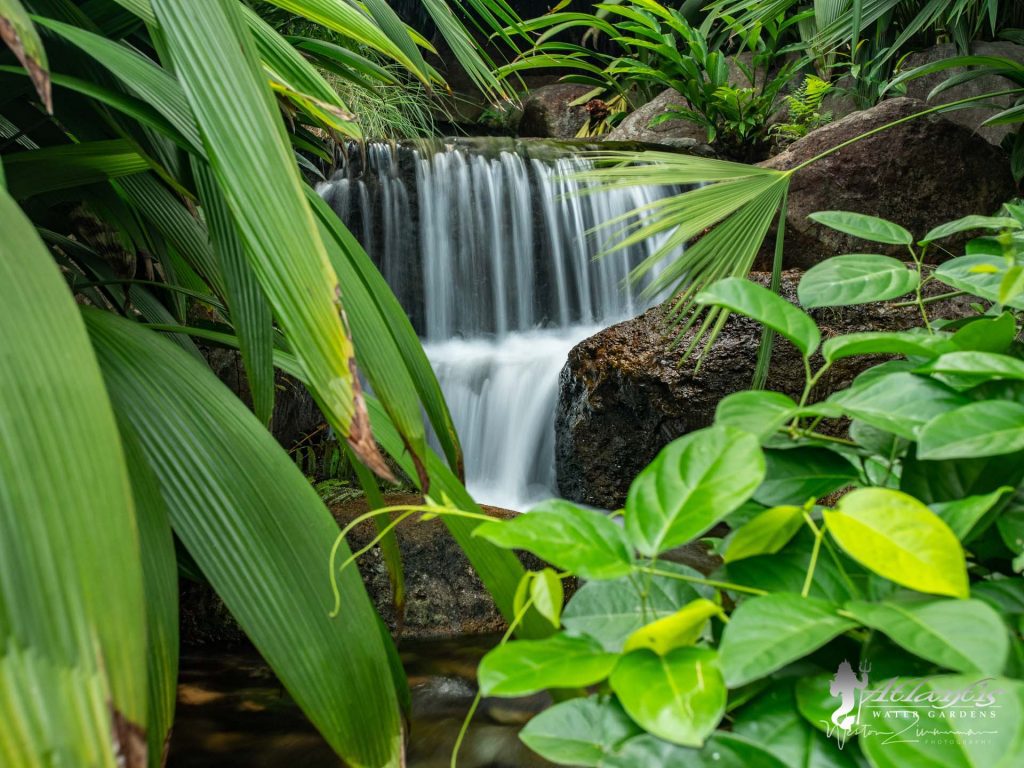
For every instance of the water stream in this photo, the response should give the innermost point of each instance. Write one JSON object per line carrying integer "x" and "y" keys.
{"x": 486, "y": 245}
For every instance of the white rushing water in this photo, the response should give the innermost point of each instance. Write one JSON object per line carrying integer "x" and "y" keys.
{"x": 489, "y": 253}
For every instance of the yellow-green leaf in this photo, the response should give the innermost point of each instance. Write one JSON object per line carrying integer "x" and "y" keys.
{"x": 900, "y": 539}
{"x": 684, "y": 627}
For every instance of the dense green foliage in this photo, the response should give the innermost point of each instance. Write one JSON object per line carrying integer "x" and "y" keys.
{"x": 897, "y": 548}
{"x": 151, "y": 194}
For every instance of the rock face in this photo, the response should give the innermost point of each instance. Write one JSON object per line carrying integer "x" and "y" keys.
{"x": 444, "y": 596}
{"x": 972, "y": 119}
{"x": 679, "y": 134}
{"x": 624, "y": 395}
{"x": 547, "y": 112}
{"x": 919, "y": 174}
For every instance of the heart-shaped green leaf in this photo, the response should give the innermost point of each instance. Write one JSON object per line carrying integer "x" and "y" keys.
{"x": 988, "y": 428}
{"x": 523, "y": 667}
{"x": 679, "y": 697}
{"x": 795, "y": 475}
{"x": 960, "y": 635}
{"x": 900, "y": 539}
{"x": 579, "y": 732}
{"x": 583, "y": 541}
{"x": 855, "y": 279}
{"x": 865, "y": 227}
{"x": 766, "y": 633}
{"x": 759, "y": 412}
{"x": 766, "y": 534}
{"x": 692, "y": 484}
{"x": 747, "y": 298}
{"x": 610, "y": 611}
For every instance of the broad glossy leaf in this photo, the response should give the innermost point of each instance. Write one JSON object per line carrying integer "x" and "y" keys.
{"x": 900, "y": 539}
{"x": 722, "y": 749}
{"x": 960, "y": 635}
{"x": 855, "y": 279}
{"x": 693, "y": 483}
{"x": 579, "y": 732}
{"x": 682, "y": 628}
{"x": 73, "y": 675}
{"x": 886, "y": 343}
{"x": 988, "y": 428}
{"x": 546, "y": 591}
{"x": 759, "y": 412}
{"x": 747, "y": 298}
{"x": 968, "y": 223}
{"x": 962, "y": 515}
{"x": 768, "y": 632}
{"x": 978, "y": 274}
{"x": 795, "y": 475}
{"x": 766, "y": 534}
{"x": 939, "y": 481}
{"x": 987, "y": 334}
{"x": 523, "y": 667}
{"x": 583, "y": 541}
{"x": 865, "y": 227}
{"x": 982, "y": 366}
{"x": 610, "y": 611}
{"x": 259, "y": 532}
{"x": 773, "y": 721}
{"x": 900, "y": 403}
{"x": 679, "y": 697}
{"x": 1001, "y": 745}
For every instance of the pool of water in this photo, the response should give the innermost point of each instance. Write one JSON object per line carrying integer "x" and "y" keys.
{"x": 233, "y": 712}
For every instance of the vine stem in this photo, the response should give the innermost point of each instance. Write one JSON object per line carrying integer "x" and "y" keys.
{"x": 464, "y": 729}
{"x": 819, "y": 534}
{"x": 406, "y": 510}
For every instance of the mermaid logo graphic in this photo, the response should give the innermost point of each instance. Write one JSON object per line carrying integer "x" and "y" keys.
{"x": 845, "y": 685}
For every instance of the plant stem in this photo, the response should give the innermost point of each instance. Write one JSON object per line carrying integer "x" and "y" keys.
{"x": 818, "y": 535}
{"x": 516, "y": 621}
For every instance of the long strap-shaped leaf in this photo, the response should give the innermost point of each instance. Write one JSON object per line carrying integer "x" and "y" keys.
{"x": 17, "y": 32}
{"x": 250, "y": 313}
{"x": 254, "y": 167}
{"x": 160, "y": 579}
{"x": 260, "y": 534}
{"x": 72, "y": 627}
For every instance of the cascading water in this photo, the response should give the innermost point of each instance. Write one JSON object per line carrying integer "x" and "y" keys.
{"x": 487, "y": 248}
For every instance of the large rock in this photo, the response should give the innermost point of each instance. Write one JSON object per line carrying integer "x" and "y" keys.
{"x": 972, "y": 119}
{"x": 679, "y": 134}
{"x": 624, "y": 393}
{"x": 919, "y": 174}
{"x": 547, "y": 112}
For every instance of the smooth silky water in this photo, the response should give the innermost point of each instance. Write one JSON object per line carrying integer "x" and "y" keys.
{"x": 485, "y": 244}
{"x": 489, "y": 245}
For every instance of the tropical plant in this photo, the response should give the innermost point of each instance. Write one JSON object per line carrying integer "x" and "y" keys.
{"x": 658, "y": 49}
{"x": 895, "y": 546}
{"x": 153, "y": 198}
{"x": 974, "y": 67}
{"x": 803, "y": 109}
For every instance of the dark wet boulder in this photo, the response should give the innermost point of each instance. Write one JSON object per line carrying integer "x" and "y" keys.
{"x": 549, "y": 112}
{"x": 972, "y": 119}
{"x": 919, "y": 174}
{"x": 624, "y": 394}
{"x": 679, "y": 134}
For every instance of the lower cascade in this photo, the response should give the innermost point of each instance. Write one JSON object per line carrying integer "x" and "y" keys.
{"x": 492, "y": 247}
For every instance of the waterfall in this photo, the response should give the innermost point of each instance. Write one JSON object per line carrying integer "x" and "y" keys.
{"x": 486, "y": 245}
